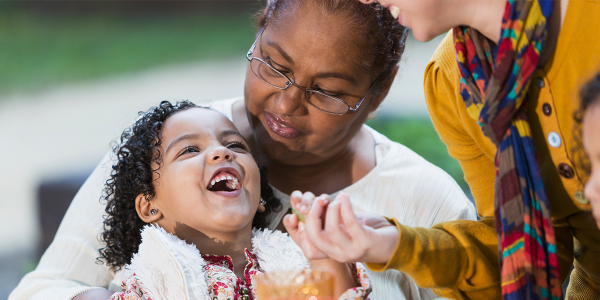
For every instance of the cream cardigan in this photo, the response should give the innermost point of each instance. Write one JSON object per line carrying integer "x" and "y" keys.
{"x": 402, "y": 185}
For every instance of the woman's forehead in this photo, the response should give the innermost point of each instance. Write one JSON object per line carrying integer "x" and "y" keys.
{"x": 312, "y": 36}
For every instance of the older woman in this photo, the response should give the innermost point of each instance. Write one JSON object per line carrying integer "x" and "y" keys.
{"x": 316, "y": 71}
{"x": 500, "y": 90}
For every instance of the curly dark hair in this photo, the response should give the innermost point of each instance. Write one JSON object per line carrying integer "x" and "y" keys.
{"x": 132, "y": 175}
{"x": 385, "y": 38}
{"x": 589, "y": 95}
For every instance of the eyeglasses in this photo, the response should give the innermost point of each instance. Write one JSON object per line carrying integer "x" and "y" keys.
{"x": 322, "y": 101}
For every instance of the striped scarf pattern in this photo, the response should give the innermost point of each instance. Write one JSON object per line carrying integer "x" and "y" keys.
{"x": 494, "y": 84}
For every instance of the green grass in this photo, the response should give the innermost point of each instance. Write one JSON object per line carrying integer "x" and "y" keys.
{"x": 420, "y": 136}
{"x": 37, "y": 51}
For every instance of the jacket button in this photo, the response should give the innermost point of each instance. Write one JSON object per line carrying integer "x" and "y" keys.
{"x": 580, "y": 197}
{"x": 554, "y": 139}
{"x": 565, "y": 171}
{"x": 540, "y": 82}
{"x": 547, "y": 109}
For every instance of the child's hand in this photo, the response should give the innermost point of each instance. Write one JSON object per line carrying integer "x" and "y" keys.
{"x": 294, "y": 223}
{"x": 337, "y": 232}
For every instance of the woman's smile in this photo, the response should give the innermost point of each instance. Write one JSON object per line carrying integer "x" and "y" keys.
{"x": 281, "y": 127}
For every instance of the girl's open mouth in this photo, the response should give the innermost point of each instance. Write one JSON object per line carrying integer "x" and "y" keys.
{"x": 225, "y": 182}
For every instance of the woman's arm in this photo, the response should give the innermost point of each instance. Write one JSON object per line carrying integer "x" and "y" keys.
{"x": 69, "y": 266}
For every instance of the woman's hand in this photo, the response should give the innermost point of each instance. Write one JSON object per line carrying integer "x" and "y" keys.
{"x": 344, "y": 236}
{"x": 333, "y": 230}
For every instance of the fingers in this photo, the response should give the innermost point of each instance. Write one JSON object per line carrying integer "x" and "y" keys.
{"x": 302, "y": 202}
{"x": 307, "y": 199}
{"x": 290, "y": 221}
{"x": 336, "y": 232}
{"x": 296, "y": 199}
{"x": 355, "y": 229}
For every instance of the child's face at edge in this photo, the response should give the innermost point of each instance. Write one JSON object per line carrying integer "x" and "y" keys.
{"x": 591, "y": 144}
{"x": 200, "y": 146}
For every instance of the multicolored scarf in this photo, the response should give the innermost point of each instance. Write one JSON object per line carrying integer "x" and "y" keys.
{"x": 494, "y": 84}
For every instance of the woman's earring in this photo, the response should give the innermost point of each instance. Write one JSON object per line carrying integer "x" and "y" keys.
{"x": 153, "y": 211}
{"x": 262, "y": 202}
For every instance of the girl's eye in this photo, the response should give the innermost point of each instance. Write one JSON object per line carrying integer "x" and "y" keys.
{"x": 237, "y": 145}
{"x": 189, "y": 149}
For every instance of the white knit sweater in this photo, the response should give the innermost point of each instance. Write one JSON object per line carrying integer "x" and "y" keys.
{"x": 166, "y": 267}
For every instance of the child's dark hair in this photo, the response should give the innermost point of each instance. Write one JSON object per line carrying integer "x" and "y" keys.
{"x": 589, "y": 95}
{"x": 132, "y": 175}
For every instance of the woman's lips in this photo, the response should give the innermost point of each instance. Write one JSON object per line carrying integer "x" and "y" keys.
{"x": 280, "y": 127}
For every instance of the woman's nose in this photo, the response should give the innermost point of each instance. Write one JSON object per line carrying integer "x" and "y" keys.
{"x": 220, "y": 154}
{"x": 291, "y": 102}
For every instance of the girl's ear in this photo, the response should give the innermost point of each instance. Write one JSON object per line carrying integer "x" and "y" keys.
{"x": 261, "y": 208}
{"x": 146, "y": 210}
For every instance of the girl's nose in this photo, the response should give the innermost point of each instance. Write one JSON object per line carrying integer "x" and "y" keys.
{"x": 220, "y": 154}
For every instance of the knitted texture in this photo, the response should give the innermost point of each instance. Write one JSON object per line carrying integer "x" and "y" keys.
{"x": 494, "y": 82}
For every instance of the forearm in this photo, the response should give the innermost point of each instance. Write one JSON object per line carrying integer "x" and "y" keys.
{"x": 454, "y": 257}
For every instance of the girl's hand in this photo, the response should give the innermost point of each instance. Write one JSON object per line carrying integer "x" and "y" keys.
{"x": 296, "y": 229}
{"x": 337, "y": 232}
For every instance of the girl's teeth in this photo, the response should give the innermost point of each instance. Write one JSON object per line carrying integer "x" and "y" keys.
{"x": 229, "y": 178}
{"x": 283, "y": 125}
{"x": 395, "y": 11}
{"x": 212, "y": 182}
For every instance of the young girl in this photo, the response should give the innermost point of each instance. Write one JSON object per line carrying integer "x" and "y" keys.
{"x": 590, "y": 117}
{"x": 186, "y": 204}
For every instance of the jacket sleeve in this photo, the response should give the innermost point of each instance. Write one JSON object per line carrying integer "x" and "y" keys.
{"x": 70, "y": 265}
{"x": 457, "y": 259}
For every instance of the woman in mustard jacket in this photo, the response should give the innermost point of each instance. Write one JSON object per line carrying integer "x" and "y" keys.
{"x": 501, "y": 91}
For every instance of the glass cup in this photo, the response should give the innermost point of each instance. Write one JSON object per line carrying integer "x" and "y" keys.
{"x": 306, "y": 284}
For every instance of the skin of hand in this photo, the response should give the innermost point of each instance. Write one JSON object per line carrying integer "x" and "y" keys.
{"x": 98, "y": 294}
{"x": 333, "y": 230}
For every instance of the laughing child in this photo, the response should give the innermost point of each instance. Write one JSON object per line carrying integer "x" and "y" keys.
{"x": 187, "y": 208}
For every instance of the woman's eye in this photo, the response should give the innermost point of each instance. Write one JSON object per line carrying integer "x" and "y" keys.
{"x": 270, "y": 62}
{"x": 330, "y": 93}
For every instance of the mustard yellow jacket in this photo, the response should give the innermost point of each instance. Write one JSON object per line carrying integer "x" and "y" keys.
{"x": 459, "y": 259}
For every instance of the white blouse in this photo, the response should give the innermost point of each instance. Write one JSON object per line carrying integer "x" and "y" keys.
{"x": 402, "y": 185}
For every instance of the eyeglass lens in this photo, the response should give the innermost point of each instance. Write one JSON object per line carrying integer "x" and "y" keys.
{"x": 319, "y": 100}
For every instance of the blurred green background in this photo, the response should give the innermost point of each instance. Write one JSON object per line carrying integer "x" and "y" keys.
{"x": 44, "y": 44}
